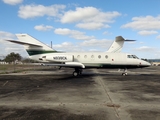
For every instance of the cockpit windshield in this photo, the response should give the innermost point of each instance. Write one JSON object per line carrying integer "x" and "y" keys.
{"x": 132, "y": 56}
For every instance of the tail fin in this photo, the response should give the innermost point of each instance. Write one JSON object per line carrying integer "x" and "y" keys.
{"x": 32, "y": 45}
{"x": 117, "y": 44}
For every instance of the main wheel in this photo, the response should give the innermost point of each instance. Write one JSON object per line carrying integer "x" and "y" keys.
{"x": 75, "y": 73}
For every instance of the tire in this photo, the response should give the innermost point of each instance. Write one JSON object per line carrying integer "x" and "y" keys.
{"x": 75, "y": 74}
{"x": 124, "y": 74}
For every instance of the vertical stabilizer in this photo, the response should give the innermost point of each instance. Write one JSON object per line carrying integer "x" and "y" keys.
{"x": 117, "y": 45}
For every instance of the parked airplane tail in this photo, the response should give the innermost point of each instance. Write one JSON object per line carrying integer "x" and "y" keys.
{"x": 32, "y": 45}
{"x": 117, "y": 44}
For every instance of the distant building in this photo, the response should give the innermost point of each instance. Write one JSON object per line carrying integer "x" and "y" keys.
{"x": 3, "y": 63}
{"x": 154, "y": 62}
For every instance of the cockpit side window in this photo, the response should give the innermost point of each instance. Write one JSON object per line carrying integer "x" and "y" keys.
{"x": 132, "y": 56}
{"x": 129, "y": 56}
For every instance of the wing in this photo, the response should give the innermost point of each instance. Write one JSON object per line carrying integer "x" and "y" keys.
{"x": 67, "y": 64}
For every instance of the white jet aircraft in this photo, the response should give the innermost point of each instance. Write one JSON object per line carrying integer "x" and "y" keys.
{"x": 113, "y": 58}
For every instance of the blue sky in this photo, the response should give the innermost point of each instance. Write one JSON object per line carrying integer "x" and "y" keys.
{"x": 82, "y": 25}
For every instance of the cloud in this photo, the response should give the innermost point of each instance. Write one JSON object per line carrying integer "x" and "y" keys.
{"x": 89, "y": 17}
{"x": 89, "y": 42}
{"x": 145, "y": 49}
{"x": 73, "y": 34}
{"x": 88, "y": 14}
{"x": 31, "y": 11}
{"x": 147, "y": 32}
{"x": 89, "y": 45}
{"x": 79, "y": 14}
{"x": 92, "y": 26}
{"x": 6, "y": 35}
{"x": 147, "y": 52}
{"x": 107, "y": 33}
{"x": 8, "y": 47}
{"x": 43, "y": 27}
{"x": 95, "y": 43}
{"x": 144, "y": 23}
{"x": 67, "y": 46}
{"x": 158, "y": 37}
{"x": 12, "y": 2}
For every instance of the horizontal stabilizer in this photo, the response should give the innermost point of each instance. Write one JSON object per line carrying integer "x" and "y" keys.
{"x": 129, "y": 40}
{"x": 24, "y": 43}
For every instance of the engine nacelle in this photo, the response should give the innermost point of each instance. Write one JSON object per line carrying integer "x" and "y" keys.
{"x": 60, "y": 58}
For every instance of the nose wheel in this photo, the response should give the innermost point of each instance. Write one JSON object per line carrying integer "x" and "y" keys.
{"x": 124, "y": 72}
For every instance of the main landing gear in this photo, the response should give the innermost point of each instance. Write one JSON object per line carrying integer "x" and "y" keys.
{"x": 124, "y": 72}
{"x": 77, "y": 72}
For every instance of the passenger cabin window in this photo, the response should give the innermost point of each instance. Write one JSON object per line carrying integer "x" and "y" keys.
{"x": 106, "y": 56}
{"x": 85, "y": 56}
{"x": 99, "y": 56}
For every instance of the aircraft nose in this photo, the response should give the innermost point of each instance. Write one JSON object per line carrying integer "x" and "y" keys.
{"x": 145, "y": 64}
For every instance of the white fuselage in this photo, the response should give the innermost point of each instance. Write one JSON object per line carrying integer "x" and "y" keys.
{"x": 93, "y": 59}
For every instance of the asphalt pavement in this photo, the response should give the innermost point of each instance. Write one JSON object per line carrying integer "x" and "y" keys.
{"x": 98, "y": 94}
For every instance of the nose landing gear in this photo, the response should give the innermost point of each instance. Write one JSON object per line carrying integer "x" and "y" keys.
{"x": 124, "y": 72}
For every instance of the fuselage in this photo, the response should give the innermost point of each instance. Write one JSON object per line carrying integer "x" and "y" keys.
{"x": 94, "y": 59}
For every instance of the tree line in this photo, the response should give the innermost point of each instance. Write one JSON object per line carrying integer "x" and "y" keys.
{"x": 16, "y": 57}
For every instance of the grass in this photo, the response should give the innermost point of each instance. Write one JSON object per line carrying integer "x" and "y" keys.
{"x": 10, "y": 68}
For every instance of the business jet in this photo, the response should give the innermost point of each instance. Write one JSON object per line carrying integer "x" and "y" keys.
{"x": 113, "y": 58}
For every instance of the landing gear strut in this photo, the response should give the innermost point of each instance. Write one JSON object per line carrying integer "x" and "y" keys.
{"x": 124, "y": 72}
{"x": 77, "y": 72}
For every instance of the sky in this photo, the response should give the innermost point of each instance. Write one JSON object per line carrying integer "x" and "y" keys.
{"x": 86, "y": 25}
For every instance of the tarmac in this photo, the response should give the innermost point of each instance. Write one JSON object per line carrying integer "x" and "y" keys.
{"x": 98, "y": 94}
